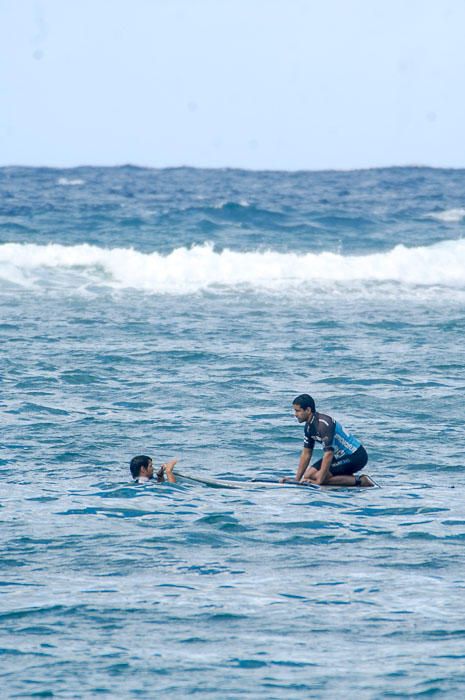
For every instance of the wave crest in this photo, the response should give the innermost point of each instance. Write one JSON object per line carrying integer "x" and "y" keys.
{"x": 186, "y": 270}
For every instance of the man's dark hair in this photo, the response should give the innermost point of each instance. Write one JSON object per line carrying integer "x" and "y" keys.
{"x": 304, "y": 401}
{"x": 137, "y": 463}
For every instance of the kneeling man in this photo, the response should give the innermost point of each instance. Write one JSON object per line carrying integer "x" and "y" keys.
{"x": 343, "y": 454}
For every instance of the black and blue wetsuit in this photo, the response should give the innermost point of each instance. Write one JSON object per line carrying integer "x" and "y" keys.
{"x": 349, "y": 454}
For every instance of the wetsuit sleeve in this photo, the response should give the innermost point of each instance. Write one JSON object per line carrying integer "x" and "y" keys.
{"x": 309, "y": 443}
{"x": 327, "y": 430}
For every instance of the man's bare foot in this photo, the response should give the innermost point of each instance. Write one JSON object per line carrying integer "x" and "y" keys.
{"x": 365, "y": 480}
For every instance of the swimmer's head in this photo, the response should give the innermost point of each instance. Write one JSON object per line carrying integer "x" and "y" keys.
{"x": 141, "y": 466}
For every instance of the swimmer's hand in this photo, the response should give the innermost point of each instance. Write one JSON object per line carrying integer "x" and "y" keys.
{"x": 286, "y": 479}
{"x": 167, "y": 468}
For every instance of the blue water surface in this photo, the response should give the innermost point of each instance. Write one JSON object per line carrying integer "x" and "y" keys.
{"x": 111, "y": 589}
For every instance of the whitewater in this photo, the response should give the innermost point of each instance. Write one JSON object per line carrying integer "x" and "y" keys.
{"x": 187, "y": 270}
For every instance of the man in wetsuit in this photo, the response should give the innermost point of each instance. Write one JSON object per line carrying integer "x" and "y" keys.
{"x": 343, "y": 454}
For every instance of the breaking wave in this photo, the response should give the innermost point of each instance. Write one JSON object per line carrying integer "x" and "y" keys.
{"x": 201, "y": 267}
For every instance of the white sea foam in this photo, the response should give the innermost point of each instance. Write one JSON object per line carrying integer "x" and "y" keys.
{"x": 69, "y": 182}
{"x": 449, "y": 216}
{"x": 200, "y": 267}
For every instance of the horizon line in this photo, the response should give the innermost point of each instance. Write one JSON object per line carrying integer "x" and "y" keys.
{"x": 228, "y": 168}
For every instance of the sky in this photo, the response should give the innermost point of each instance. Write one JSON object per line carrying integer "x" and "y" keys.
{"x": 255, "y": 84}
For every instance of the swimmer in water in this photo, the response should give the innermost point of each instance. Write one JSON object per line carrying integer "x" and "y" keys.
{"x": 142, "y": 470}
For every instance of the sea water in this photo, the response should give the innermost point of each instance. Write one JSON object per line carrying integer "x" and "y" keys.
{"x": 178, "y": 313}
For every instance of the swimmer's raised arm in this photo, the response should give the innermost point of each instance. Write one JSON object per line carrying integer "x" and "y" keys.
{"x": 167, "y": 468}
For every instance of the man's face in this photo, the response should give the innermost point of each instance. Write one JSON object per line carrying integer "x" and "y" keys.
{"x": 302, "y": 414}
{"x": 147, "y": 471}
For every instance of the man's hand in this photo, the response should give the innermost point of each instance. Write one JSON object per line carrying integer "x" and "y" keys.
{"x": 168, "y": 469}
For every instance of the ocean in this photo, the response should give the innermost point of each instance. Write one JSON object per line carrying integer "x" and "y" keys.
{"x": 177, "y": 313}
